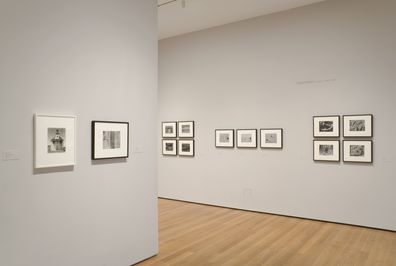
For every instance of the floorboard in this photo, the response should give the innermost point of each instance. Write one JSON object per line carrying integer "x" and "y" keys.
{"x": 193, "y": 234}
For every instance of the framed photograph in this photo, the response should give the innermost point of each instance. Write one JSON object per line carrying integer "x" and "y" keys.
{"x": 326, "y": 126}
{"x": 358, "y": 126}
{"x": 246, "y": 138}
{"x": 186, "y": 129}
{"x": 326, "y": 150}
{"x": 169, "y": 129}
{"x": 358, "y": 151}
{"x": 186, "y": 147}
{"x": 169, "y": 147}
{"x": 54, "y": 141}
{"x": 109, "y": 140}
{"x": 271, "y": 138}
{"x": 224, "y": 138}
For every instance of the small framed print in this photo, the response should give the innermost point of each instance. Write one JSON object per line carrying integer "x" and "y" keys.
{"x": 224, "y": 138}
{"x": 358, "y": 151}
{"x": 358, "y": 126}
{"x": 169, "y": 129}
{"x": 169, "y": 147}
{"x": 326, "y": 150}
{"x": 326, "y": 126}
{"x": 271, "y": 138}
{"x": 109, "y": 140}
{"x": 186, "y": 129}
{"x": 54, "y": 141}
{"x": 186, "y": 147}
{"x": 246, "y": 138}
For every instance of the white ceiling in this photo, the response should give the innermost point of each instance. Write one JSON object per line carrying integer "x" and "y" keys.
{"x": 174, "y": 19}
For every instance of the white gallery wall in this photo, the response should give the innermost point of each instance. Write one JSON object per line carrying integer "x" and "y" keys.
{"x": 96, "y": 60}
{"x": 332, "y": 58}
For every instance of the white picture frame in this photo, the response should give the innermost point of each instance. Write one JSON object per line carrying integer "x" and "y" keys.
{"x": 224, "y": 138}
{"x": 110, "y": 140}
{"x": 54, "y": 140}
{"x": 326, "y": 150}
{"x": 246, "y": 138}
{"x": 186, "y": 147}
{"x": 271, "y": 138}
{"x": 169, "y": 129}
{"x": 326, "y": 126}
{"x": 185, "y": 129}
{"x": 169, "y": 147}
{"x": 358, "y": 151}
{"x": 358, "y": 126}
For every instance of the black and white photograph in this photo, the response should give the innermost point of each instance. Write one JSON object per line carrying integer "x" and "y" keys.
{"x": 186, "y": 129}
{"x": 169, "y": 147}
{"x": 186, "y": 147}
{"x": 54, "y": 140}
{"x": 169, "y": 129}
{"x": 224, "y": 138}
{"x": 326, "y": 150}
{"x": 246, "y": 138}
{"x": 271, "y": 138}
{"x": 110, "y": 139}
{"x": 358, "y": 151}
{"x": 358, "y": 126}
{"x": 326, "y": 126}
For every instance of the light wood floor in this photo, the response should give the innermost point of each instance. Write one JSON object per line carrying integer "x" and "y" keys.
{"x": 193, "y": 234}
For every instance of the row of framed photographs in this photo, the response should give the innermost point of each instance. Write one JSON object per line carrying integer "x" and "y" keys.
{"x": 181, "y": 129}
{"x": 179, "y": 147}
{"x": 358, "y": 151}
{"x": 354, "y": 126}
{"x": 247, "y": 138}
{"x": 55, "y": 140}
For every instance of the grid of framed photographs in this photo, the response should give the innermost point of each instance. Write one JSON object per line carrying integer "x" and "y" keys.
{"x": 354, "y": 126}
{"x": 177, "y": 138}
{"x": 270, "y": 138}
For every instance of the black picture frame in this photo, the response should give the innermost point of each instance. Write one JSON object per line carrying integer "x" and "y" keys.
{"x": 279, "y": 146}
{"x": 173, "y": 153}
{"x": 124, "y": 145}
{"x": 182, "y": 153}
{"x": 334, "y": 119}
{"x": 355, "y": 134}
{"x": 229, "y": 146}
{"x": 238, "y": 143}
{"x": 180, "y": 133}
{"x": 356, "y": 142}
{"x": 173, "y": 124}
{"x": 327, "y": 142}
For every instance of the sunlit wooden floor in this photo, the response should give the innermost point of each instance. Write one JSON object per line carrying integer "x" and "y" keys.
{"x": 193, "y": 234}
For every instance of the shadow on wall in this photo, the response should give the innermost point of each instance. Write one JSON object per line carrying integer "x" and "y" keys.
{"x": 49, "y": 170}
